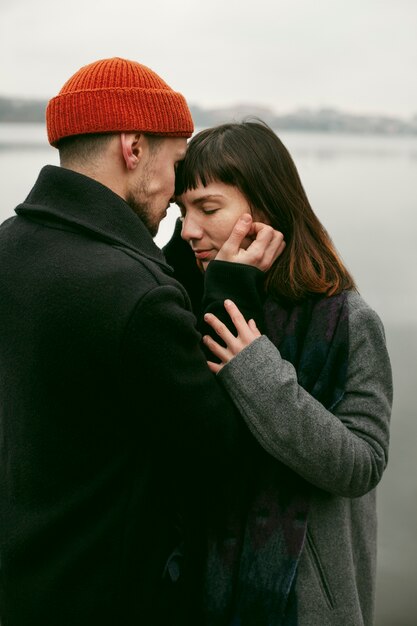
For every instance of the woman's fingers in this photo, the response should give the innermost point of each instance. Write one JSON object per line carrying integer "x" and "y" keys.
{"x": 267, "y": 245}
{"x": 261, "y": 252}
{"x": 231, "y": 248}
{"x": 220, "y": 328}
{"x": 214, "y": 367}
{"x": 252, "y": 325}
{"x": 222, "y": 353}
{"x": 246, "y": 333}
{"x": 238, "y": 320}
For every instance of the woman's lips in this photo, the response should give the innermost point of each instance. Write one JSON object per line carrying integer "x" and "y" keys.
{"x": 203, "y": 254}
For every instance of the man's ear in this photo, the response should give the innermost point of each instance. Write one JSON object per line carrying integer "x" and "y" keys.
{"x": 132, "y": 148}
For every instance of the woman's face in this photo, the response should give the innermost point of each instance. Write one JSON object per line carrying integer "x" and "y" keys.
{"x": 208, "y": 216}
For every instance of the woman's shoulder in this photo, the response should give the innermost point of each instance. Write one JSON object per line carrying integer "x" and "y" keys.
{"x": 359, "y": 309}
{"x": 356, "y": 302}
{"x": 366, "y": 330}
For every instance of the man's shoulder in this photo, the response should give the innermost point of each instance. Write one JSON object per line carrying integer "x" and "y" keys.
{"x": 83, "y": 261}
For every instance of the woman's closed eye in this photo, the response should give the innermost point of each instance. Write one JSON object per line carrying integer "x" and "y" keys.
{"x": 209, "y": 211}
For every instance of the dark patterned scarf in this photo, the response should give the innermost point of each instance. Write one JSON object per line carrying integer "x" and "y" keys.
{"x": 253, "y": 558}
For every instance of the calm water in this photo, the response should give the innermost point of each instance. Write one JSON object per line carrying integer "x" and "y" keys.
{"x": 364, "y": 189}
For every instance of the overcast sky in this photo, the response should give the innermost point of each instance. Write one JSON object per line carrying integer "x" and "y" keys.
{"x": 355, "y": 55}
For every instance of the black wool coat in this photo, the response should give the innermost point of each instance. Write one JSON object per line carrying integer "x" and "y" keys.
{"x": 110, "y": 421}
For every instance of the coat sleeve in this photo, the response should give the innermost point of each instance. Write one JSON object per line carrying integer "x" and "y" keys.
{"x": 182, "y": 403}
{"x": 343, "y": 452}
{"x": 241, "y": 283}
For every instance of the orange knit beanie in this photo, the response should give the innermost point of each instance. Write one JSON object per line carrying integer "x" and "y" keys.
{"x": 115, "y": 95}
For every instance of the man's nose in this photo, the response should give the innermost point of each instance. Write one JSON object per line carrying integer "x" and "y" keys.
{"x": 190, "y": 228}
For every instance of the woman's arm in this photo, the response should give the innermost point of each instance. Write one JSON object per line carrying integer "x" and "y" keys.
{"x": 344, "y": 451}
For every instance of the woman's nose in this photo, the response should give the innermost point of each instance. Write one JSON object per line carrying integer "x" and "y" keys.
{"x": 190, "y": 229}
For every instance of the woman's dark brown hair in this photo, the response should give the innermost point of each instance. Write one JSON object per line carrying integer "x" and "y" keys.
{"x": 251, "y": 157}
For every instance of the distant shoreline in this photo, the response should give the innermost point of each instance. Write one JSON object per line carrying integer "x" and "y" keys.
{"x": 325, "y": 120}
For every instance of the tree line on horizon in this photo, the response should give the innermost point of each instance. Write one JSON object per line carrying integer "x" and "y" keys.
{"x": 19, "y": 110}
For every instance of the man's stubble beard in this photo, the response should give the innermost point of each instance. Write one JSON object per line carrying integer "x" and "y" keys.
{"x": 143, "y": 209}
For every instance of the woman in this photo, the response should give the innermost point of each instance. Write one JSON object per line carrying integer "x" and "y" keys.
{"x": 298, "y": 542}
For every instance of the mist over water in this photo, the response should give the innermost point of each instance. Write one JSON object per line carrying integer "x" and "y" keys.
{"x": 364, "y": 190}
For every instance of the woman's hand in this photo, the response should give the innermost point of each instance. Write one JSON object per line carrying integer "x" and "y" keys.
{"x": 252, "y": 243}
{"x": 246, "y": 333}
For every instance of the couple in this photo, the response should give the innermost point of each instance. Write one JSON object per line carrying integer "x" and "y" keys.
{"x": 137, "y": 488}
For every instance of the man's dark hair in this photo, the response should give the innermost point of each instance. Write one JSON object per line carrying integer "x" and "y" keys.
{"x": 83, "y": 148}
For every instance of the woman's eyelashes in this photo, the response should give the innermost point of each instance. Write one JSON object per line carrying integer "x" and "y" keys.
{"x": 209, "y": 211}
{"x": 204, "y": 210}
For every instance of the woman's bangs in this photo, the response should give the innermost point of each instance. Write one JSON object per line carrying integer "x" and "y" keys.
{"x": 203, "y": 164}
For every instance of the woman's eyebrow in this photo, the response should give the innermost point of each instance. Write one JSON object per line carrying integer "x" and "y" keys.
{"x": 208, "y": 197}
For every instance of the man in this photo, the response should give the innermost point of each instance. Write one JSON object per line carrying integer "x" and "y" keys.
{"x": 109, "y": 414}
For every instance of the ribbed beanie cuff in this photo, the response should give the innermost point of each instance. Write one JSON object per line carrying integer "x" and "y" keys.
{"x": 115, "y": 95}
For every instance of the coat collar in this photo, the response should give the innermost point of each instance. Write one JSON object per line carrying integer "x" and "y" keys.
{"x": 81, "y": 203}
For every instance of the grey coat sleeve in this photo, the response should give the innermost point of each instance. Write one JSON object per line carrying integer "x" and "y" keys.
{"x": 343, "y": 452}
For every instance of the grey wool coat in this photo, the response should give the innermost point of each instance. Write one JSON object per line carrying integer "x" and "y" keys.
{"x": 342, "y": 454}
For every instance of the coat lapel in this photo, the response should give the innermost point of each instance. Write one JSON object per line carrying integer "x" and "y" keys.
{"x": 77, "y": 202}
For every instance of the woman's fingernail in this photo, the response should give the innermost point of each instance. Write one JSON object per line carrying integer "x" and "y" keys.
{"x": 246, "y": 218}
{"x": 228, "y": 302}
